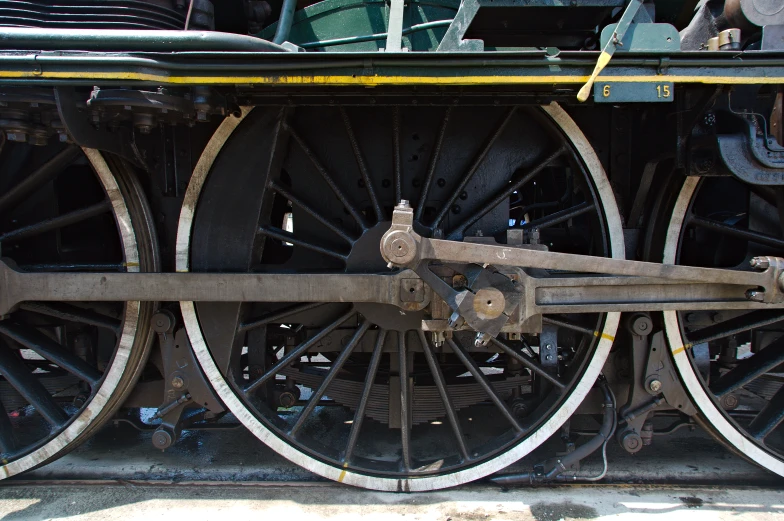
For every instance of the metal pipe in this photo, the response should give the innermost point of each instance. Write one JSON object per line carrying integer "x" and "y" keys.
{"x": 126, "y": 40}
{"x": 584, "y": 450}
{"x": 285, "y": 21}
{"x": 378, "y": 36}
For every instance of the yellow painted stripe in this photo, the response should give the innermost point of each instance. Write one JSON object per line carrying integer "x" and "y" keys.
{"x": 681, "y": 349}
{"x": 131, "y": 264}
{"x": 342, "y": 473}
{"x": 377, "y": 80}
{"x": 604, "y": 335}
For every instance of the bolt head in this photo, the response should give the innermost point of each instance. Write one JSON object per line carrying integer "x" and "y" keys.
{"x": 729, "y": 402}
{"x": 482, "y": 339}
{"x": 177, "y": 382}
{"x": 631, "y": 442}
{"x": 655, "y": 386}
{"x": 287, "y": 399}
{"x": 755, "y": 296}
{"x": 760, "y": 263}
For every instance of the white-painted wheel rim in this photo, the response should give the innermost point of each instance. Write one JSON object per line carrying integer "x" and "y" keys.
{"x": 114, "y": 372}
{"x": 691, "y": 381}
{"x": 547, "y": 429}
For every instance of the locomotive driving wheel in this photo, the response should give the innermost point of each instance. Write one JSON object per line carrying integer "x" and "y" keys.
{"x": 730, "y": 361}
{"x": 67, "y": 367}
{"x": 360, "y": 392}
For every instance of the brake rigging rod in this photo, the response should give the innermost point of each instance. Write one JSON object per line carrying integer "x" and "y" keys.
{"x": 612, "y": 45}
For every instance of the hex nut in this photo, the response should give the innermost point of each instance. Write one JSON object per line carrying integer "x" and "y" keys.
{"x": 729, "y": 402}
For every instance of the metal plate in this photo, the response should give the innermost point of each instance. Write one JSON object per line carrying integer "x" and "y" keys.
{"x": 633, "y": 92}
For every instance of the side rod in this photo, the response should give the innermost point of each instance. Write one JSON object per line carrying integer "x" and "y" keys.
{"x": 16, "y": 287}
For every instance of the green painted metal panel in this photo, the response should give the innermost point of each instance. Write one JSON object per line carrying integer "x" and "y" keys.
{"x": 361, "y": 25}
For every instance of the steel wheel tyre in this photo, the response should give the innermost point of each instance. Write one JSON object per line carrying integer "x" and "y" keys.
{"x": 756, "y": 382}
{"x": 203, "y": 230}
{"x": 67, "y": 367}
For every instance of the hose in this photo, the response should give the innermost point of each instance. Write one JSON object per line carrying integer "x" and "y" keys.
{"x": 285, "y": 21}
{"x": 562, "y": 464}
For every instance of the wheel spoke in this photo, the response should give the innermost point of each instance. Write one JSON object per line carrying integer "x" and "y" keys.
{"x": 359, "y": 415}
{"x": 42, "y": 175}
{"x": 7, "y": 438}
{"x": 327, "y": 177}
{"x": 735, "y": 326}
{"x": 58, "y": 222}
{"x": 277, "y": 315}
{"x": 529, "y": 363}
{"x": 750, "y": 368}
{"x": 405, "y": 403}
{"x": 488, "y": 205}
{"x": 297, "y": 352}
{"x": 749, "y": 235}
{"x": 73, "y": 314}
{"x": 396, "y": 154}
{"x": 310, "y": 211}
{"x": 438, "y": 378}
{"x": 483, "y": 382}
{"x": 282, "y": 235}
{"x": 469, "y": 174}
{"x": 769, "y": 417}
{"x": 26, "y": 383}
{"x": 431, "y": 169}
{"x": 360, "y": 159}
{"x": 562, "y": 216}
{"x": 337, "y": 365}
{"x": 52, "y": 351}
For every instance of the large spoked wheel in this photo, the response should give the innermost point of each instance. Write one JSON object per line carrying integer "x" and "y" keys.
{"x": 67, "y": 367}
{"x": 730, "y": 361}
{"x": 359, "y": 393}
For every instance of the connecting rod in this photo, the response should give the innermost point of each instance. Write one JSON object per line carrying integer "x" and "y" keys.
{"x": 617, "y": 284}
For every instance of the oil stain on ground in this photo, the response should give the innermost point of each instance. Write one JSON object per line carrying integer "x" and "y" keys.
{"x": 566, "y": 510}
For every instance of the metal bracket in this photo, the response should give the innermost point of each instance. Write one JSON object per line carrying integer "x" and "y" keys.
{"x": 395, "y": 26}
{"x": 751, "y": 158}
{"x": 184, "y": 383}
{"x": 453, "y": 38}
{"x": 83, "y": 133}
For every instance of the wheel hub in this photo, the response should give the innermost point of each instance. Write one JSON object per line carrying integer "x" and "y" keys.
{"x": 365, "y": 257}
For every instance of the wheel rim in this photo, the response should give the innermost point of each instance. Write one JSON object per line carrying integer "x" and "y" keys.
{"x": 95, "y": 353}
{"x": 381, "y": 476}
{"x": 686, "y": 329}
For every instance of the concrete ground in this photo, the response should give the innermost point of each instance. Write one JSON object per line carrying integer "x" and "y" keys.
{"x": 228, "y": 474}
